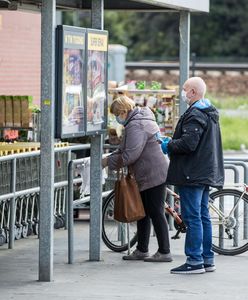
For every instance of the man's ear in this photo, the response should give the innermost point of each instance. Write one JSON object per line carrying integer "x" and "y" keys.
{"x": 194, "y": 91}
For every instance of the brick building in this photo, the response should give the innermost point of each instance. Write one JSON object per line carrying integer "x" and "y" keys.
{"x": 20, "y": 40}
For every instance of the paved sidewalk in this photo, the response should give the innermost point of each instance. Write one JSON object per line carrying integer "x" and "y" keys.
{"x": 113, "y": 278}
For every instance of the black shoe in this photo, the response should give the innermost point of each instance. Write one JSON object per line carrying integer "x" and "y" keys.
{"x": 209, "y": 267}
{"x": 189, "y": 269}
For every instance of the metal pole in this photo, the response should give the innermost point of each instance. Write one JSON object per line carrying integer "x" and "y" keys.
{"x": 12, "y": 205}
{"x": 97, "y": 12}
{"x": 236, "y": 212}
{"x": 184, "y": 32}
{"x": 128, "y": 240}
{"x": 239, "y": 162}
{"x": 236, "y": 159}
{"x": 66, "y": 202}
{"x": 48, "y": 21}
{"x": 172, "y": 204}
{"x": 193, "y": 61}
{"x": 70, "y": 214}
{"x": 95, "y": 198}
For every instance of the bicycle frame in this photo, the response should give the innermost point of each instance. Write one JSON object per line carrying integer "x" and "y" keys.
{"x": 218, "y": 212}
{"x": 221, "y": 215}
{"x": 180, "y": 226}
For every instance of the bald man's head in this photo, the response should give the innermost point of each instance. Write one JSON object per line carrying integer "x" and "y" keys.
{"x": 197, "y": 85}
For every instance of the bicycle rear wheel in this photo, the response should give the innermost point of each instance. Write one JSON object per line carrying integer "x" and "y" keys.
{"x": 229, "y": 215}
{"x": 114, "y": 233}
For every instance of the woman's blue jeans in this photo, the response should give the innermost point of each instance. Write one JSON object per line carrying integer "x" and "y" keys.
{"x": 195, "y": 214}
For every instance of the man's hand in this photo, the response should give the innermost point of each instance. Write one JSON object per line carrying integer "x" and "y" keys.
{"x": 164, "y": 144}
{"x": 104, "y": 162}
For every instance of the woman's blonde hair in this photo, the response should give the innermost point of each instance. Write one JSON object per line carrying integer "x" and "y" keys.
{"x": 120, "y": 104}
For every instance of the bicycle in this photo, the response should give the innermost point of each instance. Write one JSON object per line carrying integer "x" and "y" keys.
{"x": 228, "y": 209}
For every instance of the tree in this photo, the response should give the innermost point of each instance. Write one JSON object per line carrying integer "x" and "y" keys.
{"x": 147, "y": 35}
{"x": 221, "y": 33}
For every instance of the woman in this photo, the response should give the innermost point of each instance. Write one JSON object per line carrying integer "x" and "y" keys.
{"x": 139, "y": 150}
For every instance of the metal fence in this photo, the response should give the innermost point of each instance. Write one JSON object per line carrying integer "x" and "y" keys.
{"x": 19, "y": 192}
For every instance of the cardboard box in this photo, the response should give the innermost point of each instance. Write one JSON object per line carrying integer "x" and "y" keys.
{"x": 2, "y": 111}
{"x": 8, "y": 111}
{"x": 16, "y": 111}
{"x": 25, "y": 116}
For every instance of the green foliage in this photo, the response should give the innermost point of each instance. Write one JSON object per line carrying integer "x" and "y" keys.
{"x": 223, "y": 32}
{"x": 229, "y": 102}
{"x": 234, "y": 132}
{"x": 77, "y": 18}
{"x": 154, "y": 35}
{"x": 147, "y": 35}
{"x": 233, "y": 128}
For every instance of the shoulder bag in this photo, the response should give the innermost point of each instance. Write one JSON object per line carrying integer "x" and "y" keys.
{"x": 128, "y": 205}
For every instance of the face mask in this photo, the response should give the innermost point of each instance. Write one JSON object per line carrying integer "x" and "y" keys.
{"x": 184, "y": 97}
{"x": 120, "y": 121}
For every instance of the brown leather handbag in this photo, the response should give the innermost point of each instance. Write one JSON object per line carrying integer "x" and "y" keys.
{"x": 128, "y": 205}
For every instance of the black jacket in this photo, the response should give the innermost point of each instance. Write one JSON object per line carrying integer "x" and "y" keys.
{"x": 195, "y": 150}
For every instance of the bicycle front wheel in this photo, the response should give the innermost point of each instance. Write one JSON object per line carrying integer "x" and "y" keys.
{"x": 114, "y": 233}
{"x": 228, "y": 210}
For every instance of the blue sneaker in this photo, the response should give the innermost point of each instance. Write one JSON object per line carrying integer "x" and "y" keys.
{"x": 189, "y": 269}
{"x": 209, "y": 267}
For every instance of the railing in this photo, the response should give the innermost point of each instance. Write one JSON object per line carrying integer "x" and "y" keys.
{"x": 74, "y": 203}
{"x": 18, "y": 197}
{"x": 168, "y": 66}
{"x": 238, "y": 162}
{"x": 13, "y": 193}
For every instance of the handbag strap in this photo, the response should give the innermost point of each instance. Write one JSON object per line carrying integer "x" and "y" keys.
{"x": 130, "y": 171}
{"x": 120, "y": 173}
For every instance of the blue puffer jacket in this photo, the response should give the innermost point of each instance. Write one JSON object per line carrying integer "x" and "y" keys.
{"x": 195, "y": 150}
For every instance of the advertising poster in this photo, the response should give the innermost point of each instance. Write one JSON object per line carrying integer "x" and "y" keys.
{"x": 96, "y": 81}
{"x": 71, "y": 120}
{"x": 73, "y": 106}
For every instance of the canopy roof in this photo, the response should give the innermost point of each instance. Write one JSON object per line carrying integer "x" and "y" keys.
{"x": 149, "y": 5}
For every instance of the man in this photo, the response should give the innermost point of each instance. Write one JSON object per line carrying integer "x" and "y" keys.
{"x": 196, "y": 162}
